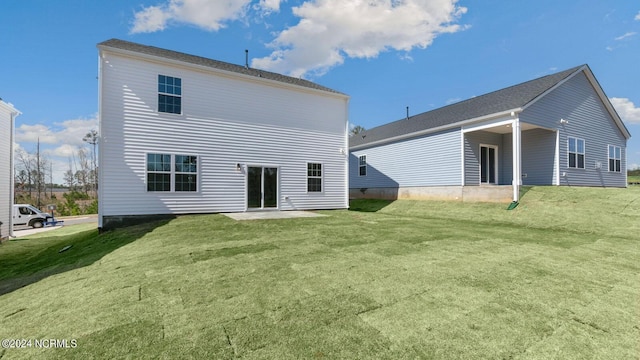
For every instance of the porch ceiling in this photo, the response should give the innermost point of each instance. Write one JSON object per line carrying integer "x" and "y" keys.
{"x": 506, "y": 129}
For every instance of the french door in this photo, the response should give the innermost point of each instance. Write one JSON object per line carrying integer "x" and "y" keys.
{"x": 262, "y": 187}
{"x": 488, "y": 164}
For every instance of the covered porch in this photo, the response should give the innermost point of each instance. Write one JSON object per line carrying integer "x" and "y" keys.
{"x": 509, "y": 153}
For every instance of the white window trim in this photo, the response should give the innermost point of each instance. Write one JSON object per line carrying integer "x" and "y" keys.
{"x": 614, "y": 158}
{"x": 321, "y": 177}
{"x": 577, "y": 153}
{"x": 169, "y": 94}
{"x": 172, "y": 172}
{"x": 366, "y": 165}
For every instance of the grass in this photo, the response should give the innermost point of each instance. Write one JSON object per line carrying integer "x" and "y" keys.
{"x": 555, "y": 278}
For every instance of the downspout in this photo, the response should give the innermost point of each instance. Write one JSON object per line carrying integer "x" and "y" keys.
{"x": 13, "y": 116}
{"x": 346, "y": 153}
{"x": 100, "y": 139}
{"x": 517, "y": 159}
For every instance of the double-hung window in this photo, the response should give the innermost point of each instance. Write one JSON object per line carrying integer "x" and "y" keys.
{"x": 186, "y": 169}
{"x": 576, "y": 153}
{"x": 172, "y": 173}
{"x": 314, "y": 177}
{"x": 169, "y": 94}
{"x": 362, "y": 165}
{"x": 615, "y": 158}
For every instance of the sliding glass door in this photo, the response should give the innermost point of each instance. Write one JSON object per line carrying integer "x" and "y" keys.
{"x": 262, "y": 187}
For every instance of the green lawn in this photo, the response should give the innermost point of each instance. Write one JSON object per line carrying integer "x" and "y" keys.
{"x": 556, "y": 278}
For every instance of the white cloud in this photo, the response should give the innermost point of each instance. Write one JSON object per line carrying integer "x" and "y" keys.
{"x": 330, "y": 30}
{"x": 35, "y": 133}
{"x": 622, "y": 37}
{"x": 67, "y": 132}
{"x": 626, "y": 109}
{"x": 453, "y": 101}
{"x": 209, "y": 15}
{"x": 65, "y": 151}
{"x": 638, "y": 16}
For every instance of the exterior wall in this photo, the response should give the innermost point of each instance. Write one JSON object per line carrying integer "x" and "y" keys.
{"x": 538, "y": 157}
{"x": 428, "y": 160}
{"x": 7, "y": 114}
{"x": 578, "y": 102}
{"x": 472, "y": 142}
{"x": 226, "y": 120}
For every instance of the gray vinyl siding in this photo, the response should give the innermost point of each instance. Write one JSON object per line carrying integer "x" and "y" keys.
{"x": 5, "y": 169}
{"x": 577, "y": 102}
{"x": 225, "y": 121}
{"x": 429, "y": 160}
{"x": 472, "y": 142}
{"x": 538, "y": 157}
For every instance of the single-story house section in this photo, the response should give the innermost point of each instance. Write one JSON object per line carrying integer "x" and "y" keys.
{"x": 7, "y": 120}
{"x": 559, "y": 129}
{"x": 183, "y": 134}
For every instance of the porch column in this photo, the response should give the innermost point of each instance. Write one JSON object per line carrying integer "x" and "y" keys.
{"x": 517, "y": 151}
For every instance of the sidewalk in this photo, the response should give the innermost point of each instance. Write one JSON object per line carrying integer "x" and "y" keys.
{"x": 68, "y": 220}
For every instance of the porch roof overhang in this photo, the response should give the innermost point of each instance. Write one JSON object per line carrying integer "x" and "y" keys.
{"x": 501, "y": 126}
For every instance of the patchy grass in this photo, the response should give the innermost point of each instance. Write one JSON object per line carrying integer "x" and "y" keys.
{"x": 555, "y": 278}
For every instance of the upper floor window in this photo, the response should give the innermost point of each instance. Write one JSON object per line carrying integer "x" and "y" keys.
{"x": 169, "y": 94}
{"x": 576, "y": 153}
{"x": 314, "y": 177}
{"x": 166, "y": 172}
{"x": 615, "y": 158}
{"x": 362, "y": 165}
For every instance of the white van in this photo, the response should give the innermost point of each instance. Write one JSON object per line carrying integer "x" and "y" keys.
{"x": 29, "y": 215}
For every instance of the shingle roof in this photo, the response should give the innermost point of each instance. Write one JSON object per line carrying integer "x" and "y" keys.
{"x": 215, "y": 64}
{"x": 512, "y": 97}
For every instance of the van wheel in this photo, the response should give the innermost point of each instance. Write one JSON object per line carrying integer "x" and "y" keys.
{"x": 37, "y": 224}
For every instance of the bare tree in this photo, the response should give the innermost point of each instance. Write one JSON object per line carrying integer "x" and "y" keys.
{"x": 69, "y": 178}
{"x": 82, "y": 174}
{"x": 92, "y": 138}
{"x": 25, "y": 164}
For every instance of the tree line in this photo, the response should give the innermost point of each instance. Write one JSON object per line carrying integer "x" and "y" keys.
{"x": 34, "y": 179}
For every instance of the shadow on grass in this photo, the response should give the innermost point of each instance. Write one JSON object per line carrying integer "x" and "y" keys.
{"x": 32, "y": 261}
{"x": 368, "y": 205}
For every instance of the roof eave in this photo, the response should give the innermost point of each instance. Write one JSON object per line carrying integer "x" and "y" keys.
{"x": 500, "y": 114}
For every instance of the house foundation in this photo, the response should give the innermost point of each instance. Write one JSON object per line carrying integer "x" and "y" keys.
{"x": 493, "y": 193}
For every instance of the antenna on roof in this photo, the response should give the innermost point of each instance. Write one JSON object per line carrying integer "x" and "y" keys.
{"x": 407, "y": 113}
{"x": 246, "y": 58}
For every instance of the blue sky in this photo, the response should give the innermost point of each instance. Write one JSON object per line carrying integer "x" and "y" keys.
{"x": 386, "y": 54}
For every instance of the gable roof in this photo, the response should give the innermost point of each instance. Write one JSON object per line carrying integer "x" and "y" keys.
{"x": 513, "y": 98}
{"x": 210, "y": 63}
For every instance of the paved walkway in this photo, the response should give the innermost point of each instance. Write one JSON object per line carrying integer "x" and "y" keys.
{"x": 260, "y": 215}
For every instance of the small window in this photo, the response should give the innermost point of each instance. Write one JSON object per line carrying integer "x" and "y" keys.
{"x": 362, "y": 165}
{"x": 166, "y": 172}
{"x": 169, "y": 94}
{"x": 615, "y": 158}
{"x": 314, "y": 177}
{"x": 576, "y": 153}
